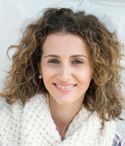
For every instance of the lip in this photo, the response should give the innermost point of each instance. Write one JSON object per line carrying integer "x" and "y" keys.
{"x": 65, "y": 87}
{"x": 64, "y": 84}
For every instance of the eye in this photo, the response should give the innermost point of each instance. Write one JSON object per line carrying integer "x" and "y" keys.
{"x": 55, "y": 61}
{"x": 77, "y": 61}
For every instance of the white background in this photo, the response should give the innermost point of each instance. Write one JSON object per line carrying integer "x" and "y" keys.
{"x": 15, "y": 14}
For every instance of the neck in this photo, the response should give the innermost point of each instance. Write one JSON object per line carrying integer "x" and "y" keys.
{"x": 63, "y": 114}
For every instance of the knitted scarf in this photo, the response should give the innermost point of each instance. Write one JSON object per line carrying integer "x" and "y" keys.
{"x": 35, "y": 127}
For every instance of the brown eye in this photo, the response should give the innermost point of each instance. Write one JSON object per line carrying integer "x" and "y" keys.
{"x": 55, "y": 61}
{"x": 77, "y": 61}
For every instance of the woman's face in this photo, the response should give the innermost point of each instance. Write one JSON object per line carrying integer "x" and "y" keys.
{"x": 65, "y": 67}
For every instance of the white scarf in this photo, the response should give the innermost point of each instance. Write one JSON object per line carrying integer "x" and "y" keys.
{"x": 37, "y": 127}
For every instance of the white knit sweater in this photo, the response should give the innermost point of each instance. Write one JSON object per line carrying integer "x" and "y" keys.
{"x": 33, "y": 125}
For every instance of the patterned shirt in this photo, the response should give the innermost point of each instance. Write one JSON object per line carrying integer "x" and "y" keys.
{"x": 118, "y": 141}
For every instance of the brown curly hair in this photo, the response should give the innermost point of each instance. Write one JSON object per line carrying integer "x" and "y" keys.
{"x": 103, "y": 94}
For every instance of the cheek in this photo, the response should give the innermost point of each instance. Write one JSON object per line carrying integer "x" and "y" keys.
{"x": 47, "y": 72}
{"x": 85, "y": 75}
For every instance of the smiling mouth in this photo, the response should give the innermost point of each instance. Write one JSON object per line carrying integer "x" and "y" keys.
{"x": 64, "y": 87}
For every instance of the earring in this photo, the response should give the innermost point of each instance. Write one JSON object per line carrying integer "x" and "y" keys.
{"x": 40, "y": 77}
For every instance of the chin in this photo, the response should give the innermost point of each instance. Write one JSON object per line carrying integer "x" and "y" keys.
{"x": 65, "y": 102}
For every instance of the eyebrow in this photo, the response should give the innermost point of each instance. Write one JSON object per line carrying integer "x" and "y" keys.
{"x": 73, "y": 56}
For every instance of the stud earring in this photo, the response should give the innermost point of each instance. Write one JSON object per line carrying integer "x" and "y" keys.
{"x": 40, "y": 77}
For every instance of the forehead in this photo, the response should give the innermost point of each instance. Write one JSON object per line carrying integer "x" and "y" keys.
{"x": 65, "y": 43}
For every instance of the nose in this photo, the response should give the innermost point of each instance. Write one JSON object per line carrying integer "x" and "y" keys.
{"x": 65, "y": 73}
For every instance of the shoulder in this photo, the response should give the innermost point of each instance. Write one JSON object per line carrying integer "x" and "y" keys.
{"x": 37, "y": 100}
{"x": 107, "y": 133}
{"x": 4, "y": 107}
{"x": 9, "y": 112}
{"x": 17, "y": 107}
{"x": 108, "y": 124}
{"x": 110, "y": 129}
{"x": 10, "y": 116}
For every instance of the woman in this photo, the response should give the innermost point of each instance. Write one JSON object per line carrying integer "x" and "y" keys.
{"x": 63, "y": 87}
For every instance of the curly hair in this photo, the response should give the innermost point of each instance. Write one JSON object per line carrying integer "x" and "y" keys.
{"x": 103, "y": 94}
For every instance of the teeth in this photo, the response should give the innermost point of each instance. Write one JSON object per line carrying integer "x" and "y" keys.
{"x": 64, "y": 87}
